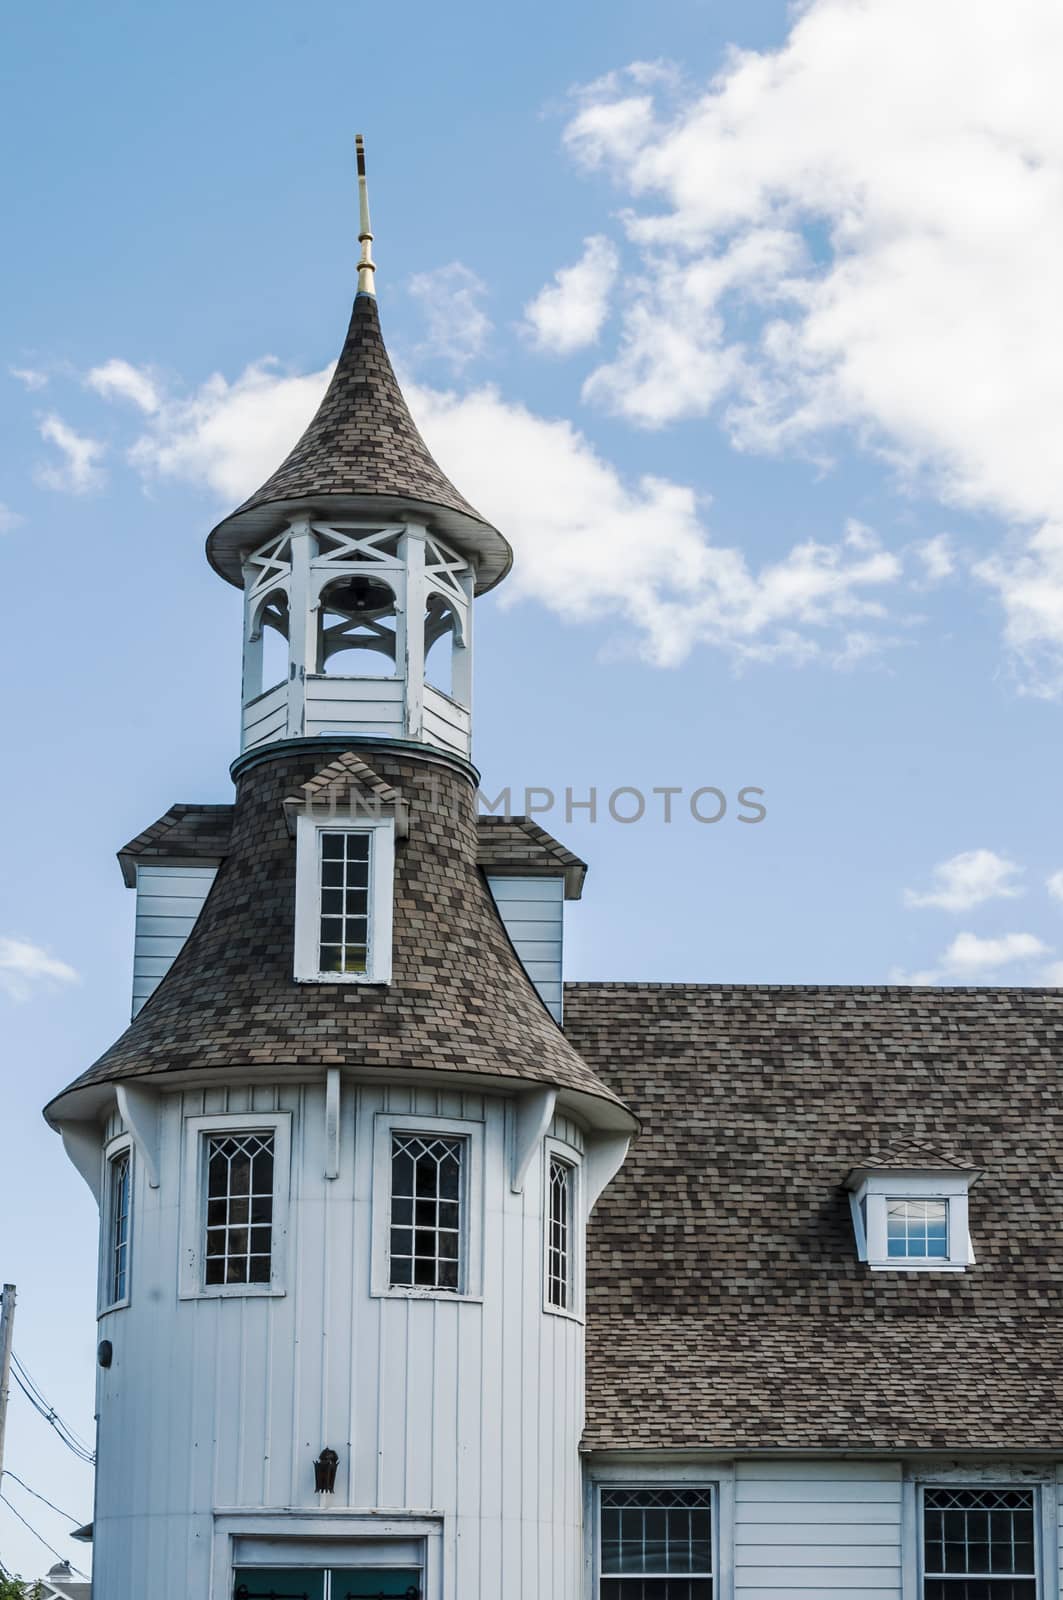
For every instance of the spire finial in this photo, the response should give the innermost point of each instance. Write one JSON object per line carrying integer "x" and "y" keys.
{"x": 366, "y": 268}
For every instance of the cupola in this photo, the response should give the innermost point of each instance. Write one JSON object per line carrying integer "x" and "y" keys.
{"x": 359, "y": 561}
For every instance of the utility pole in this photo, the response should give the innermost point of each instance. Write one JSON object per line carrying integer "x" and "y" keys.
{"x": 7, "y": 1330}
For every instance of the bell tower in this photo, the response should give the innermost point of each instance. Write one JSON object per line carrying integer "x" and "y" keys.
{"x": 359, "y": 561}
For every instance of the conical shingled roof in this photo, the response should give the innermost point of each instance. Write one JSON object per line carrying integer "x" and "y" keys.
{"x": 362, "y": 455}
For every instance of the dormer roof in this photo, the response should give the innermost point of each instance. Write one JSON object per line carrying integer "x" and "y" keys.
{"x": 362, "y": 455}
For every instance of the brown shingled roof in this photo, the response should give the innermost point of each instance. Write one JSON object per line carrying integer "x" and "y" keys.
{"x": 362, "y": 453}
{"x": 459, "y": 999}
{"x": 726, "y": 1305}
{"x": 199, "y": 832}
{"x": 517, "y": 846}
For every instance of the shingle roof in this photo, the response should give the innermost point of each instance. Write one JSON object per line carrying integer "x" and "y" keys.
{"x": 199, "y": 832}
{"x": 517, "y": 846}
{"x": 458, "y": 1001}
{"x": 362, "y": 452}
{"x": 726, "y": 1305}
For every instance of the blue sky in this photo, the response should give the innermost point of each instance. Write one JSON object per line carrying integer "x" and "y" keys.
{"x": 742, "y": 321}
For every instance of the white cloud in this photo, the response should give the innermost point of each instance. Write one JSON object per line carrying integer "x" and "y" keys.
{"x": 862, "y": 229}
{"x": 591, "y": 544}
{"x": 122, "y": 379}
{"x": 937, "y": 557}
{"x": 8, "y": 519}
{"x": 230, "y": 436}
{"x": 972, "y": 959}
{"x": 78, "y": 472}
{"x": 458, "y": 326}
{"x": 29, "y": 376}
{"x": 968, "y": 880}
{"x": 1052, "y": 975}
{"x": 24, "y": 965}
{"x": 1054, "y": 884}
{"x": 569, "y": 313}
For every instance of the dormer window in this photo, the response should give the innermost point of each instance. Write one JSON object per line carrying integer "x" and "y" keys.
{"x": 909, "y": 1218}
{"x": 343, "y": 900}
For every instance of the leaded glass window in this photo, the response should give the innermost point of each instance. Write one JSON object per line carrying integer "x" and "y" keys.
{"x": 239, "y": 1208}
{"x": 656, "y": 1544}
{"x": 979, "y": 1544}
{"x": 917, "y": 1230}
{"x": 426, "y": 1207}
{"x": 559, "y": 1236}
{"x": 120, "y": 1216}
{"x": 343, "y": 944}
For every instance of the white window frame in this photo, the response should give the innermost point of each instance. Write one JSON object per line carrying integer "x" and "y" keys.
{"x": 470, "y": 1277}
{"x": 876, "y": 1189}
{"x": 556, "y": 1148}
{"x": 721, "y": 1515}
{"x": 381, "y": 831}
{"x": 1044, "y": 1532}
{"x": 193, "y": 1225}
{"x": 307, "y": 1534}
{"x": 122, "y": 1145}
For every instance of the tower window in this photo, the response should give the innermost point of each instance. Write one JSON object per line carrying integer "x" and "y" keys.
{"x": 559, "y": 1235}
{"x": 656, "y": 1544}
{"x": 343, "y": 900}
{"x": 239, "y": 1244}
{"x": 426, "y": 1212}
{"x": 979, "y": 1542}
{"x": 120, "y": 1217}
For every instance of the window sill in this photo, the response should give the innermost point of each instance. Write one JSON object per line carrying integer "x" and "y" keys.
{"x": 448, "y": 1295}
{"x": 234, "y": 1291}
{"x": 369, "y": 979}
{"x": 918, "y": 1266}
{"x": 566, "y": 1316}
{"x": 118, "y": 1305}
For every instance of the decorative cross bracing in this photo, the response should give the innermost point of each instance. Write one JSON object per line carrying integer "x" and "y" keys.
{"x": 426, "y": 1206}
{"x": 239, "y": 1208}
{"x": 979, "y": 1544}
{"x": 656, "y": 1544}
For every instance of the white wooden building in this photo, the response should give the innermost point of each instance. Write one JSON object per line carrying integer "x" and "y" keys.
{"x": 423, "y": 1273}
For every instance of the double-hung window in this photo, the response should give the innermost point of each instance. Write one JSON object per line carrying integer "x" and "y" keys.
{"x": 343, "y": 900}
{"x": 118, "y": 1219}
{"x": 979, "y": 1543}
{"x": 656, "y": 1544}
{"x": 427, "y": 1207}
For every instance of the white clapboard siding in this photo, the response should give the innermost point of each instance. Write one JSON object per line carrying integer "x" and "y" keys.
{"x": 266, "y": 717}
{"x": 354, "y": 705}
{"x": 815, "y": 1528}
{"x": 532, "y": 910}
{"x": 446, "y": 723}
{"x": 469, "y": 1410}
{"x": 169, "y": 899}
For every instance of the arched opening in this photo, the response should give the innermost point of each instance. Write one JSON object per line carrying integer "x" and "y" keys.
{"x": 273, "y": 631}
{"x": 356, "y": 628}
{"x": 442, "y": 633}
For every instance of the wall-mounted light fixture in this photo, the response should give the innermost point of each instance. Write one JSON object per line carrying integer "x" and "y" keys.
{"x": 325, "y": 1471}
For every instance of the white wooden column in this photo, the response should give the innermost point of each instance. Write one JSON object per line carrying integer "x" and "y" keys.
{"x": 252, "y": 679}
{"x": 461, "y": 680}
{"x": 302, "y": 625}
{"x": 413, "y": 630}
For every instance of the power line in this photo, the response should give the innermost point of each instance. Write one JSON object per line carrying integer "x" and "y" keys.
{"x": 36, "y": 1399}
{"x": 38, "y": 1537}
{"x": 16, "y": 1479}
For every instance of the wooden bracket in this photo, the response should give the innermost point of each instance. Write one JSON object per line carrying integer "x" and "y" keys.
{"x": 604, "y": 1158}
{"x": 139, "y": 1109}
{"x": 534, "y": 1114}
{"x": 83, "y": 1143}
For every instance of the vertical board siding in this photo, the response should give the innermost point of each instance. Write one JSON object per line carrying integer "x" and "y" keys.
{"x": 532, "y": 911}
{"x": 818, "y": 1528}
{"x": 169, "y": 899}
{"x": 470, "y": 1411}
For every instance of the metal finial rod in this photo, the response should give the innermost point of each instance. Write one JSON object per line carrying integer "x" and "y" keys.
{"x": 366, "y": 267}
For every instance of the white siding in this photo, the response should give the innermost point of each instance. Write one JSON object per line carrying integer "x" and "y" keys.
{"x": 446, "y": 723}
{"x": 266, "y": 717}
{"x": 169, "y": 899}
{"x": 532, "y": 910}
{"x": 354, "y": 705}
{"x": 470, "y": 1410}
{"x": 818, "y": 1528}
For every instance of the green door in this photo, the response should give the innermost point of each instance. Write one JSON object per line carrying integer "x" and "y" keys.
{"x": 271, "y": 1583}
{"x": 376, "y": 1583}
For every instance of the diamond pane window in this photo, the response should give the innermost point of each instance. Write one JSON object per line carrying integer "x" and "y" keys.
{"x": 558, "y": 1242}
{"x": 979, "y": 1544}
{"x": 426, "y": 1206}
{"x": 917, "y": 1229}
{"x": 343, "y": 942}
{"x": 656, "y": 1544}
{"x": 120, "y": 1218}
{"x": 239, "y": 1208}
